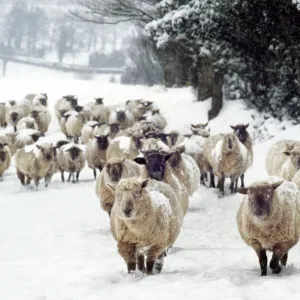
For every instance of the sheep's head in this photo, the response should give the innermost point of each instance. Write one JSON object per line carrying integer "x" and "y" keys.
{"x": 137, "y": 138}
{"x": 74, "y": 152}
{"x": 78, "y": 108}
{"x": 230, "y": 141}
{"x": 173, "y": 137}
{"x": 241, "y": 132}
{"x": 294, "y": 153}
{"x": 12, "y": 102}
{"x": 61, "y": 143}
{"x": 72, "y": 100}
{"x": 35, "y": 136}
{"x": 130, "y": 198}
{"x": 260, "y": 197}
{"x": 47, "y": 152}
{"x": 155, "y": 112}
{"x": 35, "y": 114}
{"x": 142, "y": 118}
{"x": 14, "y": 116}
{"x": 176, "y": 158}
{"x": 147, "y": 103}
{"x": 99, "y": 101}
{"x": 43, "y": 99}
{"x": 114, "y": 128}
{"x": 102, "y": 141}
{"x": 201, "y": 132}
{"x": 114, "y": 169}
{"x": 199, "y": 126}
{"x": 155, "y": 162}
{"x": 30, "y": 124}
{"x": 121, "y": 115}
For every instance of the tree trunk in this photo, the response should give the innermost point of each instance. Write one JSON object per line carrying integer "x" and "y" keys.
{"x": 217, "y": 94}
{"x": 205, "y": 77}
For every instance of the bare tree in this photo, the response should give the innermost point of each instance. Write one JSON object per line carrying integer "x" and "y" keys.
{"x": 139, "y": 12}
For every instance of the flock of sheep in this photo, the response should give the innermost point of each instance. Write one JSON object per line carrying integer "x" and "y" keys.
{"x": 147, "y": 173}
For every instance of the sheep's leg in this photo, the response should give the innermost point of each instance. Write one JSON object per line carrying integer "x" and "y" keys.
{"x": 221, "y": 186}
{"x": 28, "y": 180}
{"x": 21, "y": 177}
{"x": 153, "y": 253}
{"x": 212, "y": 179}
{"x": 47, "y": 180}
{"x": 284, "y": 259}
{"x": 242, "y": 180}
{"x": 236, "y": 185}
{"x": 69, "y": 178}
{"x": 128, "y": 252}
{"x": 274, "y": 264}
{"x": 15, "y": 129}
{"x": 159, "y": 263}
{"x": 141, "y": 262}
{"x": 262, "y": 257}
{"x": 202, "y": 178}
{"x": 280, "y": 254}
{"x": 62, "y": 176}
{"x": 95, "y": 173}
{"x": 74, "y": 178}
{"x": 231, "y": 185}
{"x": 37, "y": 183}
{"x": 77, "y": 176}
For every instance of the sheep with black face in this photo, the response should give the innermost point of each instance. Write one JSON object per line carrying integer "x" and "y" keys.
{"x": 5, "y": 159}
{"x": 70, "y": 158}
{"x": 96, "y": 152}
{"x": 123, "y": 117}
{"x": 35, "y": 162}
{"x": 269, "y": 219}
{"x": 145, "y": 220}
{"x": 64, "y": 104}
{"x": 244, "y": 137}
{"x": 114, "y": 170}
{"x": 156, "y": 167}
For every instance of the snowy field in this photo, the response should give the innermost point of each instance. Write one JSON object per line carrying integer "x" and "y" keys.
{"x": 55, "y": 243}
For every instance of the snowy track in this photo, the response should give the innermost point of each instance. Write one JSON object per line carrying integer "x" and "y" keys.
{"x": 56, "y": 243}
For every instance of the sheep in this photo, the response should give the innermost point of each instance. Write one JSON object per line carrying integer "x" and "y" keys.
{"x": 269, "y": 219}
{"x": 156, "y": 166}
{"x": 158, "y": 135}
{"x": 35, "y": 162}
{"x": 64, "y": 104}
{"x": 2, "y": 115}
{"x": 9, "y": 138}
{"x": 42, "y": 117}
{"x": 125, "y": 147}
{"x": 74, "y": 126}
{"x": 14, "y": 115}
{"x": 194, "y": 147}
{"x": 70, "y": 158}
{"x": 185, "y": 168}
{"x": 26, "y": 137}
{"x": 88, "y": 107}
{"x": 144, "y": 126}
{"x": 100, "y": 113}
{"x": 27, "y": 123}
{"x": 96, "y": 153}
{"x": 134, "y": 107}
{"x": 122, "y": 117}
{"x": 40, "y": 99}
{"x": 228, "y": 158}
{"x": 154, "y": 144}
{"x": 114, "y": 170}
{"x": 5, "y": 159}
{"x": 111, "y": 129}
{"x": 243, "y": 135}
{"x": 145, "y": 220}
{"x": 157, "y": 119}
{"x": 283, "y": 159}
{"x": 88, "y": 131}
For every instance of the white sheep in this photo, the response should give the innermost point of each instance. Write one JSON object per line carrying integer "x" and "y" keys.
{"x": 42, "y": 117}
{"x": 88, "y": 107}
{"x": 123, "y": 117}
{"x": 88, "y": 131}
{"x": 64, "y": 104}
{"x": 26, "y": 137}
{"x": 5, "y": 159}
{"x": 70, "y": 158}
{"x": 114, "y": 170}
{"x": 27, "y": 123}
{"x": 74, "y": 125}
{"x": 157, "y": 119}
{"x": 96, "y": 153}
{"x": 35, "y": 162}
{"x": 269, "y": 220}
{"x": 145, "y": 220}
{"x": 100, "y": 113}
{"x": 40, "y": 99}
{"x": 283, "y": 159}
{"x": 228, "y": 159}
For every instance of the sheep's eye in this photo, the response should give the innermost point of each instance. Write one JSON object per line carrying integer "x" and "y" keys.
{"x": 137, "y": 193}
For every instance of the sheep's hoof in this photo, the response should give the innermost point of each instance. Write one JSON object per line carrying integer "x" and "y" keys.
{"x": 1, "y": 178}
{"x": 221, "y": 194}
{"x": 277, "y": 270}
{"x": 263, "y": 273}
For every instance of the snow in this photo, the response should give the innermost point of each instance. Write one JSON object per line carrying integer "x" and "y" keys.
{"x": 124, "y": 142}
{"x": 56, "y": 242}
{"x": 159, "y": 199}
{"x": 33, "y": 149}
{"x": 24, "y": 135}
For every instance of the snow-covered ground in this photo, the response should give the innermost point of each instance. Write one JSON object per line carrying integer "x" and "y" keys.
{"x": 55, "y": 243}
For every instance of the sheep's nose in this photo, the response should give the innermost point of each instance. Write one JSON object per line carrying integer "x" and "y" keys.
{"x": 127, "y": 211}
{"x": 48, "y": 156}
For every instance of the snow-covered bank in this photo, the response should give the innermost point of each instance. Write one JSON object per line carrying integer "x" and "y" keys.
{"x": 56, "y": 243}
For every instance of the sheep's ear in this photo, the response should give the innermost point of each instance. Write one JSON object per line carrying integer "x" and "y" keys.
{"x": 193, "y": 126}
{"x": 39, "y": 147}
{"x": 140, "y": 160}
{"x": 107, "y": 135}
{"x": 180, "y": 148}
{"x": 168, "y": 155}
{"x": 208, "y": 129}
{"x": 233, "y": 127}
{"x": 144, "y": 183}
{"x": 246, "y": 126}
{"x": 275, "y": 185}
{"x": 243, "y": 190}
{"x": 287, "y": 153}
{"x": 204, "y": 125}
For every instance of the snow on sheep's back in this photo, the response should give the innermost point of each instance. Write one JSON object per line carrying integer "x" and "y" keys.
{"x": 56, "y": 243}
